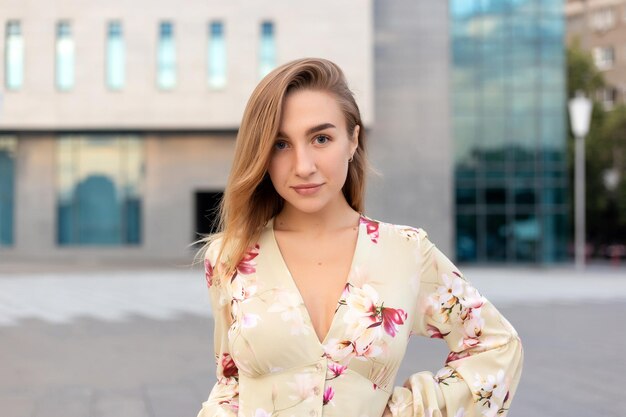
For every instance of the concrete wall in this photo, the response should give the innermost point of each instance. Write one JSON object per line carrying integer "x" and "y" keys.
{"x": 411, "y": 143}
{"x": 340, "y": 31}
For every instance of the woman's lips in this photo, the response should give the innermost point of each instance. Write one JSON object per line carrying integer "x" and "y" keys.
{"x": 307, "y": 189}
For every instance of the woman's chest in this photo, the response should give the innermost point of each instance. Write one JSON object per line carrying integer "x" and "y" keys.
{"x": 368, "y": 329}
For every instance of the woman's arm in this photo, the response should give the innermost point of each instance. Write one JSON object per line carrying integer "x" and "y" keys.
{"x": 482, "y": 371}
{"x": 223, "y": 399}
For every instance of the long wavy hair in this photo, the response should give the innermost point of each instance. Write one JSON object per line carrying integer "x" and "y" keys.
{"x": 250, "y": 199}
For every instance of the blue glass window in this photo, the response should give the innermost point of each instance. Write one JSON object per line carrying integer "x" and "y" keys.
{"x": 115, "y": 59}
{"x": 13, "y": 56}
{"x": 99, "y": 193}
{"x": 166, "y": 57}
{"x": 267, "y": 49}
{"x": 8, "y": 148}
{"x": 64, "y": 56}
{"x": 509, "y": 124}
{"x": 217, "y": 55}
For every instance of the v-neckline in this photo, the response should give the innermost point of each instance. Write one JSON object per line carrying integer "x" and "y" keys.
{"x": 292, "y": 282}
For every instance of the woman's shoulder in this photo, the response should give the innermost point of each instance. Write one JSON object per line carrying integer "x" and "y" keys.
{"x": 386, "y": 230}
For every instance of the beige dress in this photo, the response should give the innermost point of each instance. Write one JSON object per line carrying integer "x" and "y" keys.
{"x": 270, "y": 361}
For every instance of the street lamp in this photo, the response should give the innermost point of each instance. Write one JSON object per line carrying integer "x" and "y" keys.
{"x": 580, "y": 118}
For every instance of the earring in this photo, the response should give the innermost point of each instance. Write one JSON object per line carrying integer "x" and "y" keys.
{"x": 351, "y": 158}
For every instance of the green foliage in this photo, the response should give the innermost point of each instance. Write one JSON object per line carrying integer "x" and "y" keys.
{"x": 605, "y": 148}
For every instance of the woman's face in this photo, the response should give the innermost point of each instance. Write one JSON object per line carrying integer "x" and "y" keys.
{"x": 309, "y": 162}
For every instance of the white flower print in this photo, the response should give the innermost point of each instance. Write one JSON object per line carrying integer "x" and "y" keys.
{"x": 305, "y": 387}
{"x": 410, "y": 233}
{"x": 261, "y": 413}
{"x": 492, "y": 391}
{"x": 361, "y": 312}
{"x": 340, "y": 351}
{"x": 249, "y": 320}
{"x": 289, "y": 306}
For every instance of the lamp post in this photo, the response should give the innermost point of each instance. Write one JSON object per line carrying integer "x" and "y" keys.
{"x": 580, "y": 118}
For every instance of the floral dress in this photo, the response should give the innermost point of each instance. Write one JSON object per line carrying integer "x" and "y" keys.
{"x": 270, "y": 361}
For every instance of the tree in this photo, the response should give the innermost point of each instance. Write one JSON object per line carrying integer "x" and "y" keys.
{"x": 605, "y": 147}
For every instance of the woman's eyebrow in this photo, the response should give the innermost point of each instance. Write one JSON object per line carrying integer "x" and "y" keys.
{"x": 313, "y": 129}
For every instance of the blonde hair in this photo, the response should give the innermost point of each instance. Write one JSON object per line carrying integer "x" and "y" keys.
{"x": 250, "y": 199}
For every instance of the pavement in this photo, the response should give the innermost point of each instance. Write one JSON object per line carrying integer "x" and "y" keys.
{"x": 136, "y": 341}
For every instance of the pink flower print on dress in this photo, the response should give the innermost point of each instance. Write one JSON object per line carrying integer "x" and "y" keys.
{"x": 208, "y": 272}
{"x": 335, "y": 370}
{"x": 455, "y": 356}
{"x": 435, "y": 333}
{"x": 392, "y": 318}
{"x": 329, "y": 393}
{"x": 371, "y": 226}
{"x": 227, "y": 364}
{"x": 247, "y": 265}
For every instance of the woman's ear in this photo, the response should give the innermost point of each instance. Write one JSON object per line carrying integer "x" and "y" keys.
{"x": 355, "y": 138}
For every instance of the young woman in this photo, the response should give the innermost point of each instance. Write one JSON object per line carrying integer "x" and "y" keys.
{"x": 314, "y": 301}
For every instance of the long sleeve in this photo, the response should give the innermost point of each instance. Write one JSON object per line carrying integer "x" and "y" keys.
{"x": 484, "y": 366}
{"x": 223, "y": 399}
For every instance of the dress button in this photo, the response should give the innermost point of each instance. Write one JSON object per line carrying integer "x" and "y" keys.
{"x": 318, "y": 366}
{"x": 312, "y": 413}
{"x": 316, "y": 390}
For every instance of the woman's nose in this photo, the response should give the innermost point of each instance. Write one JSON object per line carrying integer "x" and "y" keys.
{"x": 305, "y": 161}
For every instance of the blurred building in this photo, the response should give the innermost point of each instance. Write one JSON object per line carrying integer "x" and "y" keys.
{"x": 118, "y": 120}
{"x": 508, "y": 98}
{"x": 600, "y": 27}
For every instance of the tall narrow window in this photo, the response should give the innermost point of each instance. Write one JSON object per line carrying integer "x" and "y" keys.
{"x": 267, "y": 49}
{"x": 64, "y": 56}
{"x": 8, "y": 149}
{"x": 166, "y": 57}
{"x": 217, "y": 55}
{"x": 115, "y": 56}
{"x": 13, "y": 56}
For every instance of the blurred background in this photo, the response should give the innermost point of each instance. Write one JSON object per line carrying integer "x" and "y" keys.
{"x": 117, "y": 129}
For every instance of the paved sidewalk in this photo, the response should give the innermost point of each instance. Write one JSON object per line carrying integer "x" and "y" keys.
{"x": 166, "y": 293}
{"x": 138, "y": 342}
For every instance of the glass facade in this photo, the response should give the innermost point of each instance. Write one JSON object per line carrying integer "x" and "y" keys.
{"x": 509, "y": 126}
{"x": 115, "y": 56}
{"x": 13, "y": 56}
{"x": 64, "y": 56}
{"x": 99, "y": 193}
{"x": 217, "y": 55}
{"x": 8, "y": 149}
{"x": 267, "y": 49}
{"x": 166, "y": 57}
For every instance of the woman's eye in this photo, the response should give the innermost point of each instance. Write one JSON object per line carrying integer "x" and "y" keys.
{"x": 322, "y": 139}
{"x": 280, "y": 144}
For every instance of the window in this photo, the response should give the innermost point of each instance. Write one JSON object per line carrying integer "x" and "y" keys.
{"x": 217, "y": 55}
{"x": 13, "y": 56}
{"x": 604, "y": 57}
{"x": 8, "y": 148}
{"x": 99, "y": 193}
{"x": 166, "y": 57}
{"x": 115, "y": 64}
{"x": 267, "y": 50}
{"x": 64, "y": 57}
{"x": 602, "y": 20}
{"x": 608, "y": 97}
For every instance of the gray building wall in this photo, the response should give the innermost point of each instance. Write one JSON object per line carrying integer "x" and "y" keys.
{"x": 411, "y": 141}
